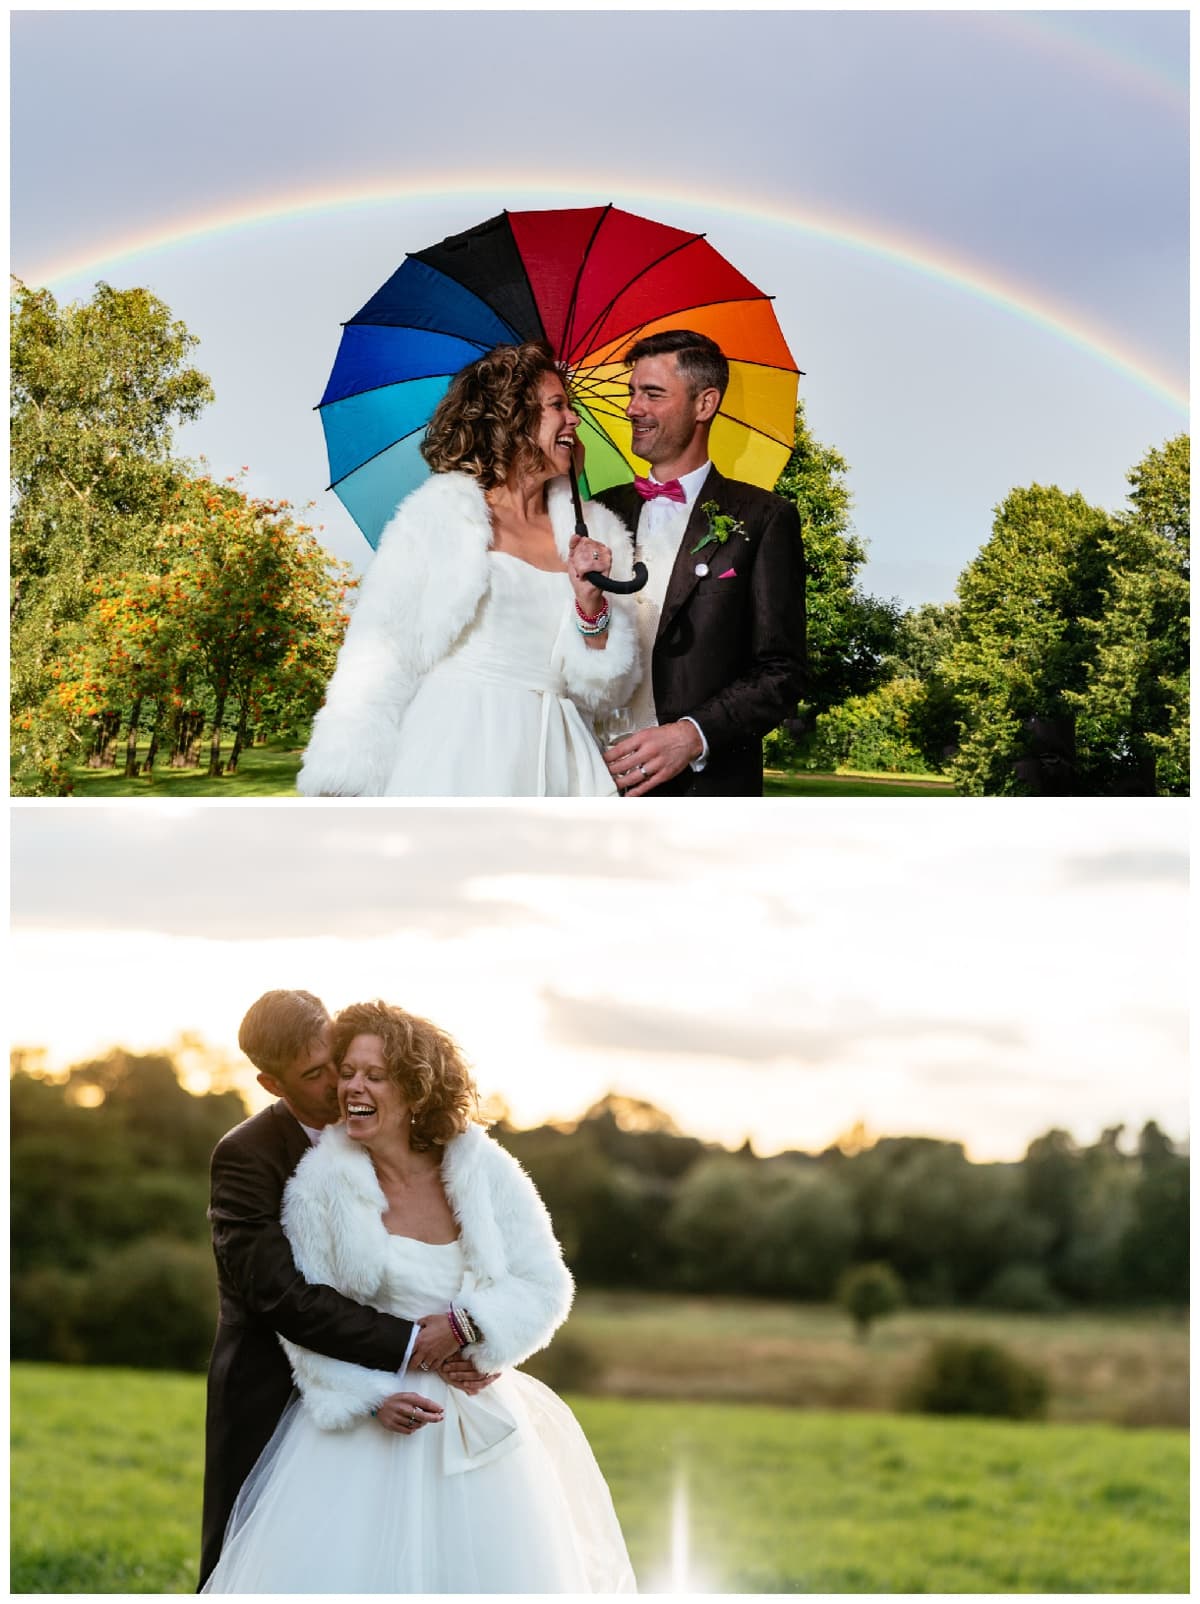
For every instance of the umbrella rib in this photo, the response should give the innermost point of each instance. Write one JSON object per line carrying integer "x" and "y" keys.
{"x": 583, "y": 261}
{"x": 753, "y": 428}
{"x": 598, "y": 321}
{"x": 400, "y": 438}
{"x": 610, "y": 349}
{"x": 533, "y": 300}
{"x": 374, "y": 389}
{"x": 419, "y": 328}
{"x": 607, "y": 438}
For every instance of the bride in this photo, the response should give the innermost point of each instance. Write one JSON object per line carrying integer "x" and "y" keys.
{"x": 366, "y": 1486}
{"x": 478, "y": 651}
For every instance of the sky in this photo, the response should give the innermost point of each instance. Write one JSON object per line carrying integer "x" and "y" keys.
{"x": 975, "y": 224}
{"x": 981, "y": 972}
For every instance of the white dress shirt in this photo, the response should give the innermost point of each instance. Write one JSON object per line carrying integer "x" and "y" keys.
{"x": 661, "y": 526}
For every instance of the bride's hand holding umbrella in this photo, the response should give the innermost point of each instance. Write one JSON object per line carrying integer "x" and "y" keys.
{"x": 587, "y": 559}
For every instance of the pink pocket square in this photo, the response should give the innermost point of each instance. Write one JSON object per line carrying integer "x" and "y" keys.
{"x": 730, "y": 573}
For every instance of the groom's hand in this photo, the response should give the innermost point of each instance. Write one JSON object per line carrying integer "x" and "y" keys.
{"x": 640, "y": 762}
{"x": 435, "y": 1342}
{"x": 461, "y": 1373}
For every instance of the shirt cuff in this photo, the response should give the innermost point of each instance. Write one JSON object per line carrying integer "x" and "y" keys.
{"x": 412, "y": 1342}
{"x": 698, "y": 763}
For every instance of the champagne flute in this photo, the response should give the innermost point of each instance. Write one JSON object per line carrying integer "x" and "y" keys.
{"x": 610, "y": 727}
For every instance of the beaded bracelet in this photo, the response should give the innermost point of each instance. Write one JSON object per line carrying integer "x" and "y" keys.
{"x": 592, "y": 618}
{"x": 596, "y": 626}
{"x": 463, "y": 1327}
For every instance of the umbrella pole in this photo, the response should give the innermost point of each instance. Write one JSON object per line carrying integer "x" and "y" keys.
{"x": 619, "y": 587}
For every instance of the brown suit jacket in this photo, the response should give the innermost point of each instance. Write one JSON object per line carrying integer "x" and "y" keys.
{"x": 729, "y": 652}
{"x": 262, "y": 1292}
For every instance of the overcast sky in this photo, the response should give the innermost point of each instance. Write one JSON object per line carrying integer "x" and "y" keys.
{"x": 980, "y": 972}
{"x": 1043, "y": 155}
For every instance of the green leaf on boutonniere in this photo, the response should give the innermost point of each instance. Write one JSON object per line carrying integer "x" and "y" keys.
{"x": 721, "y": 525}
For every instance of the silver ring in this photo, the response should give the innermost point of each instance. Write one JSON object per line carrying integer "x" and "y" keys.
{"x": 642, "y": 771}
{"x": 413, "y": 1416}
{"x": 424, "y": 1365}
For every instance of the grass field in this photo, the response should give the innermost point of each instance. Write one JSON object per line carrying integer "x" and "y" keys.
{"x": 106, "y": 1477}
{"x": 262, "y": 771}
{"x": 1120, "y": 1369}
{"x": 272, "y": 770}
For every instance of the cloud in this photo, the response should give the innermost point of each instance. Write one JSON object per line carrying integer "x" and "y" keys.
{"x": 226, "y": 872}
{"x": 607, "y": 1024}
{"x": 1127, "y": 866}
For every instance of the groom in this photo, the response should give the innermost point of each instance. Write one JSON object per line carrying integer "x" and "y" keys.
{"x": 724, "y": 607}
{"x": 287, "y": 1037}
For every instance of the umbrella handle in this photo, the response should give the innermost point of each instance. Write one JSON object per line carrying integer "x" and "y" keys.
{"x": 620, "y": 587}
{"x": 617, "y": 587}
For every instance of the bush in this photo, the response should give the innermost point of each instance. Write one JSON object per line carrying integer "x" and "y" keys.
{"x": 1023, "y": 1289}
{"x": 867, "y": 1292}
{"x": 567, "y": 1365}
{"x": 958, "y": 1377}
{"x": 874, "y": 732}
{"x": 150, "y": 1306}
{"x": 46, "y": 1302}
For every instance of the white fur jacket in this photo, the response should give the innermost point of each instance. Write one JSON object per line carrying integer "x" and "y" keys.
{"x": 516, "y": 1286}
{"x": 421, "y": 591}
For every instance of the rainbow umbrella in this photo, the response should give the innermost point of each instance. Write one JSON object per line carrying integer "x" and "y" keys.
{"x": 590, "y": 281}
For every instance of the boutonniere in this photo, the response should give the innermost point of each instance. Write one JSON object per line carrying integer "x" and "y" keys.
{"x": 721, "y": 526}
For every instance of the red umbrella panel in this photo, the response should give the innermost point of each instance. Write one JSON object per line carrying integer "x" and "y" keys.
{"x": 590, "y": 281}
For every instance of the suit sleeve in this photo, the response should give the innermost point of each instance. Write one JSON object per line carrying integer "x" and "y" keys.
{"x": 253, "y": 1252}
{"x": 767, "y": 692}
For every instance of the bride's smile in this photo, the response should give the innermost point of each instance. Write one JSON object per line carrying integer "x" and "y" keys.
{"x": 371, "y": 1102}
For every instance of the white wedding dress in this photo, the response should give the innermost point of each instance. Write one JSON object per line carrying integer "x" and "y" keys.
{"x": 493, "y": 718}
{"x": 503, "y": 1496}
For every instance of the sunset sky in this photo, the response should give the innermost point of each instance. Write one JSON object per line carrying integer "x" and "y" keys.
{"x": 974, "y": 971}
{"x": 974, "y": 223}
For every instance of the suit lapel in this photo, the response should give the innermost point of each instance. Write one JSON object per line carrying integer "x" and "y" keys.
{"x": 292, "y": 1134}
{"x": 684, "y": 577}
{"x": 627, "y": 504}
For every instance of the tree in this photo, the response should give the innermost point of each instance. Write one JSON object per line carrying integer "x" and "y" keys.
{"x": 244, "y": 612}
{"x": 1025, "y": 605}
{"x": 849, "y": 632}
{"x": 97, "y": 388}
{"x": 867, "y": 1292}
{"x": 1155, "y": 1250}
{"x": 1132, "y": 712}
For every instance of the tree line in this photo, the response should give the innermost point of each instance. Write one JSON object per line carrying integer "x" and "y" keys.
{"x": 111, "y": 1261}
{"x": 1061, "y": 669}
{"x": 156, "y": 613}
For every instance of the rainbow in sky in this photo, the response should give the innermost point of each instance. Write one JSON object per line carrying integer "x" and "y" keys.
{"x": 932, "y": 261}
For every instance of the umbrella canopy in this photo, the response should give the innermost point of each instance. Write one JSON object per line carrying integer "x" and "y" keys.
{"x": 589, "y": 281}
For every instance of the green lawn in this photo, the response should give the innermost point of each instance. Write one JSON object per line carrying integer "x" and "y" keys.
{"x": 106, "y": 1475}
{"x": 272, "y": 770}
{"x": 262, "y": 771}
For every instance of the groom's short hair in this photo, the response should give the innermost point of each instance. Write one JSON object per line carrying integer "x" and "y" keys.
{"x": 279, "y": 1027}
{"x": 700, "y": 360}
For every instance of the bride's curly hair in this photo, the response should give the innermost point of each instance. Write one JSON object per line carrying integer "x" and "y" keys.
{"x": 423, "y": 1061}
{"x": 486, "y": 423}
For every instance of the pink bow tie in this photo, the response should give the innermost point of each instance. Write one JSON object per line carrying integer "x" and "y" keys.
{"x": 648, "y": 489}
